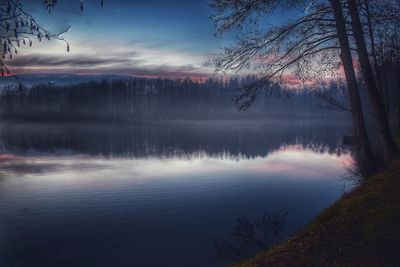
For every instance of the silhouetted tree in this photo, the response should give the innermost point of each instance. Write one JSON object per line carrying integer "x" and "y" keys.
{"x": 322, "y": 35}
{"x": 308, "y": 47}
{"x": 382, "y": 122}
{"x": 297, "y": 46}
{"x": 19, "y": 28}
{"x": 383, "y": 20}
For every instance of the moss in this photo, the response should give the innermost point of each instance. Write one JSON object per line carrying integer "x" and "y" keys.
{"x": 361, "y": 229}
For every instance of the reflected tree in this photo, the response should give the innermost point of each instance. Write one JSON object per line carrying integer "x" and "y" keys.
{"x": 227, "y": 140}
{"x": 250, "y": 237}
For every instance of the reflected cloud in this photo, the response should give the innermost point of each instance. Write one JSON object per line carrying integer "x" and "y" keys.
{"x": 291, "y": 159}
{"x": 287, "y": 160}
{"x": 84, "y": 154}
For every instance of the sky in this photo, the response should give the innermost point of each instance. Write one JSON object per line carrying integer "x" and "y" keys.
{"x": 153, "y": 38}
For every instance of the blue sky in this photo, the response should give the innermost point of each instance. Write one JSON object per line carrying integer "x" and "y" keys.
{"x": 173, "y": 38}
{"x": 154, "y": 38}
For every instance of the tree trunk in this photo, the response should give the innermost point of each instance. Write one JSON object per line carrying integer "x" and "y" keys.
{"x": 385, "y": 90}
{"x": 385, "y": 135}
{"x": 366, "y": 160}
{"x": 398, "y": 92}
{"x": 378, "y": 70}
{"x": 373, "y": 51}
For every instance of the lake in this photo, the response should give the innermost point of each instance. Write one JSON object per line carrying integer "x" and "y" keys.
{"x": 157, "y": 193}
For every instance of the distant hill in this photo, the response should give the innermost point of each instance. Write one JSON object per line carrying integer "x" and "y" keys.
{"x": 58, "y": 79}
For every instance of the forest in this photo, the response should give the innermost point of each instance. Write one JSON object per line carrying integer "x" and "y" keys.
{"x": 137, "y": 99}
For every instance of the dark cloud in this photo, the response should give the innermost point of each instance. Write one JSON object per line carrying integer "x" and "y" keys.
{"x": 147, "y": 71}
{"x": 49, "y": 61}
{"x": 121, "y": 63}
{"x": 160, "y": 71}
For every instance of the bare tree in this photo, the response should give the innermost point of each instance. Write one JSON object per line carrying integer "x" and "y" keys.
{"x": 310, "y": 46}
{"x": 383, "y": 18}
{"x": 380, "y": 115}
{"x": 19, "y": 28}
{"x": 297, "y": 46}
{"x": 366, "y": 158}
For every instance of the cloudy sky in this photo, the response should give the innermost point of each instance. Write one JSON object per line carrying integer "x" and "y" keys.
{"x": 153, "y": 38}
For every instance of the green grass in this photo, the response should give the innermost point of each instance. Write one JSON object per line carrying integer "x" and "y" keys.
{"x": 361, "y": 229}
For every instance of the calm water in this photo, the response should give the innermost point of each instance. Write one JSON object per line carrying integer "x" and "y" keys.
{"x": 156, "y": 194}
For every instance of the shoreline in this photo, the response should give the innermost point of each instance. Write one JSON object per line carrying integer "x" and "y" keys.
{"x": 360, "y": 229}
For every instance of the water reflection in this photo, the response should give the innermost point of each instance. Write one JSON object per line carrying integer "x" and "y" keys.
{"x": 288, "y": 160}
{"x": 165, "y": 139}
{"x": 156, "y": 194}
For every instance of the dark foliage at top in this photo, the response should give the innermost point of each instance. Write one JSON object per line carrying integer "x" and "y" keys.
{"x": 19, "y": 28}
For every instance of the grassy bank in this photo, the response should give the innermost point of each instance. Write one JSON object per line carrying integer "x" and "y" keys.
{"x": 360, "y": 229}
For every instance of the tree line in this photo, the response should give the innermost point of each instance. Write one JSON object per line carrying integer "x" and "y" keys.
{"x": 137, "y": 99}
